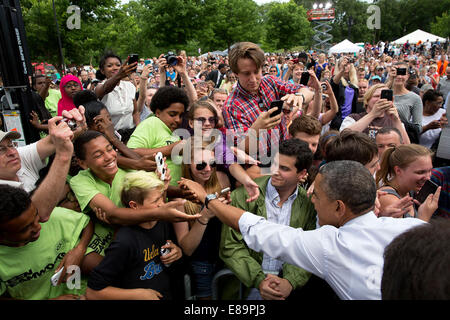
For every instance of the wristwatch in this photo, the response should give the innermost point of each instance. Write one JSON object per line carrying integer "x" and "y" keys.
{"x": 210, "y": 197}
{"x": 301, "y": 95}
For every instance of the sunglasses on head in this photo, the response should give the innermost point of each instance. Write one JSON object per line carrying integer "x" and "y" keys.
{"x": 211, "y": 120}
{"x": 203, "y": 164}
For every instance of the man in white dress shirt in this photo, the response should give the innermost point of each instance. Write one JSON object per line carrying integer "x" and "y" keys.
{"x": 347, "y": 250}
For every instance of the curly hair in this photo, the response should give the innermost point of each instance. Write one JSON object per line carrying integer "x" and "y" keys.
{"x": 13, "y": 202}
{"x": 167, "y": 95}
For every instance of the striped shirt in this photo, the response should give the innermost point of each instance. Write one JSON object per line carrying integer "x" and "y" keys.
{"x": 410, "y": 108}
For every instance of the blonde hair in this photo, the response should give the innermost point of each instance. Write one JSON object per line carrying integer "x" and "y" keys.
{"x": 211, "y": 186}
{"x": 353, "y": 76}
{"x": 137, "y": 184}
{"x": 401, "y": 156}
{"x": 370, "y": 92}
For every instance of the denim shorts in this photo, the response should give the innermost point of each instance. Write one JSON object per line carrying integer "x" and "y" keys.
{"x": 202, "y": 276}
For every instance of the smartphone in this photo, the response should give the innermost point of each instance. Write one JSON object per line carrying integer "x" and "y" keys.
{"x": 401, "y": 71}
{"x": 305, "y": 78}
{"x": 147, "y": 62}
{"x": 132, "y": 58}
{"x": 387, "y": 94}
{"x": 224, "y": 191}
{"x": 276, "y": 104}
{"x": 428, "y": 187}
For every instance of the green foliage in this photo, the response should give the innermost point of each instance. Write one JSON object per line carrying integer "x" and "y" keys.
{"x": 442, "y": 25}
{"x": 152, "y": 27}
{"x": 287, "y": 25}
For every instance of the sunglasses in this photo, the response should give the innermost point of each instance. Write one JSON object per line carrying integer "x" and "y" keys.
{"x": 201, "y": 166}
{"x": 211, "y": 120}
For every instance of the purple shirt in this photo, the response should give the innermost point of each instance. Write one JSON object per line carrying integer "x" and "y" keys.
{"x": 346, "y": 108}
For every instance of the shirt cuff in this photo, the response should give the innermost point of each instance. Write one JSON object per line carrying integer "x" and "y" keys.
{"x": 247, "y": 221}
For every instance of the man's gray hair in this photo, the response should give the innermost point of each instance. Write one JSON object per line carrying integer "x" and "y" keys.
{"x": 350, "y": 182}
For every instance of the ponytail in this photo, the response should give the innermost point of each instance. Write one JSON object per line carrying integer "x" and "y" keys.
{"x": 385, "y": 168}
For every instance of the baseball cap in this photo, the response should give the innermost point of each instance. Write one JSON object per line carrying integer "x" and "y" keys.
{"x": 10, "y": 134}
{"x": 376, "y": 78}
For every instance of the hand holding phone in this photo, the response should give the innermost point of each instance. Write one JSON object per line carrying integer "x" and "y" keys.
{"x": 428, "y": 188}
{"x": 276, "y": 104}
{"x": 387, "y": 94}
{"x": 160, "y": 165}
{"x": 132, "y": 58}
{"x": 305, "y": 78}
{"x": 55, "y": 278}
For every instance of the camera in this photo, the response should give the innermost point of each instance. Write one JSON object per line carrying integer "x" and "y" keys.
{"x": 171, "y": 58}
{"x": 350, "y": 60}
{"x": 71, "y": 123}
{"x": 324, "y": 86}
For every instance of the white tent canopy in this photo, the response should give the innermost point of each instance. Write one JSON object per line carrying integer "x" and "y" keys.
{"x": 345, "y": 46}
{"x": 417, "y": 36}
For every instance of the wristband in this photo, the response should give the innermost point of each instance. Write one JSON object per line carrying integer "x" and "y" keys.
{"x": 205, "y": 224}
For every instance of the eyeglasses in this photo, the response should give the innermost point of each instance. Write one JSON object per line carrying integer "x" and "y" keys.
{"x": 4, "y": 149}
{"x": 75, "y": 85}
{"x": 202, "y": 166}
{"x": 211, "y": 120}
{"x": 272, "y": 60}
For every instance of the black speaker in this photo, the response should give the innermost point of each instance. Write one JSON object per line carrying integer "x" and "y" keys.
{"x": 15, "y": 65}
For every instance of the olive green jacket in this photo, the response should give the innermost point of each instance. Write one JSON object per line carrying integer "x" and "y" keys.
{"x": 246, "y": 263}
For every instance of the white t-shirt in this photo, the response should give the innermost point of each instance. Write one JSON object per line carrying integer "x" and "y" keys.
{"x": 28, "y": 174}
{"x": 120, "y": 105}
{"x": 429, "y": 137}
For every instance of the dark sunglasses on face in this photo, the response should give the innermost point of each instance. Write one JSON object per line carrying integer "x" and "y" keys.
{"x": 211, "y": 120}
{"x": 201, "y": 166}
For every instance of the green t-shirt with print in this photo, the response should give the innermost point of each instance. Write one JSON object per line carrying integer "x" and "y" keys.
{"x": 25, "y": 271}
{"x": 86, "y": 185}
{"x": 152, "y": 133}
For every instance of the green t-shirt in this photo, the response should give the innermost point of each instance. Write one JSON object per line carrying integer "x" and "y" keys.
{"x": 25, "y": 271}
{"x": 51, "y": 102}
{"x": 85, "y": 185}
{"x": 153, "y": 133}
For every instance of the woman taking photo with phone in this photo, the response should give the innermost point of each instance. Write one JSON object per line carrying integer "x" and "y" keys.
{"x": 380, "y": 112}
{"x": 118, "y": 95}
{"x": 345, "y": 88}
{"x": 404, "y": 170}
{"x": 408, "y": 104}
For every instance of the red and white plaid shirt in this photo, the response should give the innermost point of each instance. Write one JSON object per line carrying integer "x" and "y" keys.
{"x": 242, "y": 108}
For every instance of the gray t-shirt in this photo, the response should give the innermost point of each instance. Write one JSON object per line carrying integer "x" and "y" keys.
{"x": 410, "y": 108}
{"x": 444, "y": 87}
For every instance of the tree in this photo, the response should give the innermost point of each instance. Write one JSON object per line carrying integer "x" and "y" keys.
{"x": 287, "y": 25}
{"x": 225, "y": 22}
{"x": 442, "y": 25}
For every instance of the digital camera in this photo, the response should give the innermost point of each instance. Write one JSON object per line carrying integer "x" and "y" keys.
{"x": 171, "y": 58}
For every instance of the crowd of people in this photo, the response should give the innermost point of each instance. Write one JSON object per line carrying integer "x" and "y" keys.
{"x": 298, "y": 173}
